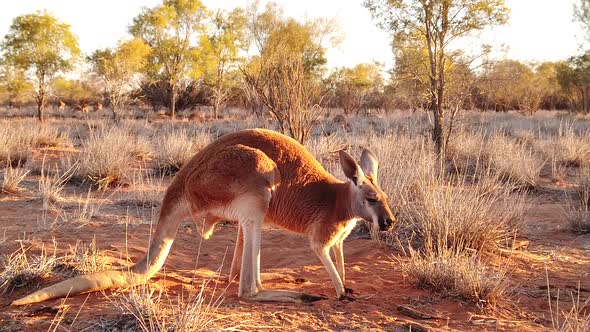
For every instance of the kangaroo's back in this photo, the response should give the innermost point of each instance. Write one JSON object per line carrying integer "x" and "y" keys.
{"x": 304, "y": 183}
{"x": 295, "y": 163}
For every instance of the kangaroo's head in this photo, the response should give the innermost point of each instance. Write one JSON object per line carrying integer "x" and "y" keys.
{"x": 368, "y": 200}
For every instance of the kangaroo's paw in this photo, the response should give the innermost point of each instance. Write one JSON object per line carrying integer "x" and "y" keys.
{"x": 346, "y": 298}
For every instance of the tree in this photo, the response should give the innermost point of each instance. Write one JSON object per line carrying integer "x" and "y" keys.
{"x": 170, "y": 30}
{"x": 353, "y": 87}
{"x": 42, "y": 46}
{"x": 574, "y": 78}
{"x": 76, "y": 93}
{"x": 554, "y": 97}
{"x": 15, "y": 86}
{"x": 219, "y": 55}
{"x": 409, "y": 76}
{"x": 582, "y": 14}
{"x": 433, "y": 25}
{"x": 118, "y": 70}
{"x": 286, "y": 75}
{"x": 510, "y": 84}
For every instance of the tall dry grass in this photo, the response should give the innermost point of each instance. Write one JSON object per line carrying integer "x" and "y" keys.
{"x": 458, "y": 274}
{"x": 446, "y": 223}
{"x": 512, "y": 161}
{"x": 572, "y": 149}
{"x": 52, "y": 184}
{"x": 148, "y": 309}
{"x": 12, "y": 178}
{"x": 175, "y": 148}
{"x": 577, "y": 211}
{"x": 462, "y": 216}
{"x": 14, "y": 146}
{"x": 21, "y": 269}
{"x": 82, "y": 258}
{"x": 449, "y": 226}
{"x": 106, "y": 159}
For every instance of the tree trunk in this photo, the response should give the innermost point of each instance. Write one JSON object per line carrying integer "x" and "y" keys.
{"x": 438, "y": 130}
{"x": 173, "y": 102}
{"x": 114, "y": 110}
{"x": 41, "y": 111}
{"x": 41, "y": 100}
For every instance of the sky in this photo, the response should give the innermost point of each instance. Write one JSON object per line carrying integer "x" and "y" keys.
{"x": 538, "y": 30}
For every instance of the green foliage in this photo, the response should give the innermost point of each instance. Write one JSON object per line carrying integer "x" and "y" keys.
{"x": 117, "y": 69}
{"x": 433, "y": 25}
{"x": 458, "y": 17}
{"x": 512, "y": 85}
{"x": 42, "y": 46}
{"x": 219, "y": 55}
{"x": 286, "y": 75}
{"x": 169, "y": 29}
{"x": 74, "y": 92}
{"x": 574, "y": 78}
{"x": 582, "y": 14}
{"x": 15, "y": 89}
{"x": 354, "y": 86}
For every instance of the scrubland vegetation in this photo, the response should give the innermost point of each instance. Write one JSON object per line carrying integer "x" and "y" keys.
{"x": 492, "y": 208}
{"x": 458, "y": 230}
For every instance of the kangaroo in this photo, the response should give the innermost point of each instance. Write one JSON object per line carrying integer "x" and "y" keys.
{"x": 97, "y": 107}
{"x": 251, "y": 177}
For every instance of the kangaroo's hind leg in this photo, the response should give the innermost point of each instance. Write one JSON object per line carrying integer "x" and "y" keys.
{"x": 205, "y": 226}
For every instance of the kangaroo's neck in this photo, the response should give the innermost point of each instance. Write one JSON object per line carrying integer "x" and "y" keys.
{"x": 341, "y": 201}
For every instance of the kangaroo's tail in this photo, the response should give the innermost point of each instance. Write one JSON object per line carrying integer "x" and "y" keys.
{"x": 174, "y": 210}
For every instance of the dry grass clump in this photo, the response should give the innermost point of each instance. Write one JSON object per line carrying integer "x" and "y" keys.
{"x": 325, "y": 148}
{"x": 82, "y": 259}
{"x": 14, "y": 147}
{"x": 147, "y": 309}
{"x": 513, "y": 161}
{"x": 12, "y": 178}
{"x": 141, "y": 147}
{"x": 46, "y": 136}
{"x": 571, "y": 149}
{"x": 176, "y": 148}
{"x": 106, "y": 159}
{"x": 22, "y": 270}
{"x": 144, "y": 191}
{"x": 82, "y": 213}
{"x": 456, "y": 274}
{"x": 17, "y": 139}
{"x": 140, "y": 142}
{"x": 19, "y": 270}
{"x": 510, "y": 160}
{"x": 448, "y": 223}
{"x": 578, "y": 210}
{"x": 464, "y": 153}
{"x": 576, "y": 319}
{"x": 401, "y": 170}
{"x": 51, "y": 185}
{"x": 477, "y": 217}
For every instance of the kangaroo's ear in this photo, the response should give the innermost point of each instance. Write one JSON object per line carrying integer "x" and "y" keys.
{"x": 351, "y": 168}
{"x": 369, "y": 164}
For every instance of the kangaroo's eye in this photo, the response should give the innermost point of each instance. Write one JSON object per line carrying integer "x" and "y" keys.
{"x": 371, "y": 200}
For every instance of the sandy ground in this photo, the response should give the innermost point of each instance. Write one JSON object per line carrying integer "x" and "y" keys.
{"x": 373, "y": 272}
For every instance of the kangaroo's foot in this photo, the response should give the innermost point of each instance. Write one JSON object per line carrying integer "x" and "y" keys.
{"x": 346, "y": 298}
{"x": 282, "y": 296}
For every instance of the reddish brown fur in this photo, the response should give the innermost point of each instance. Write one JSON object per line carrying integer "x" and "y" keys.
{"x": 311, "y": 194}
{"x": 250, "y": 176}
